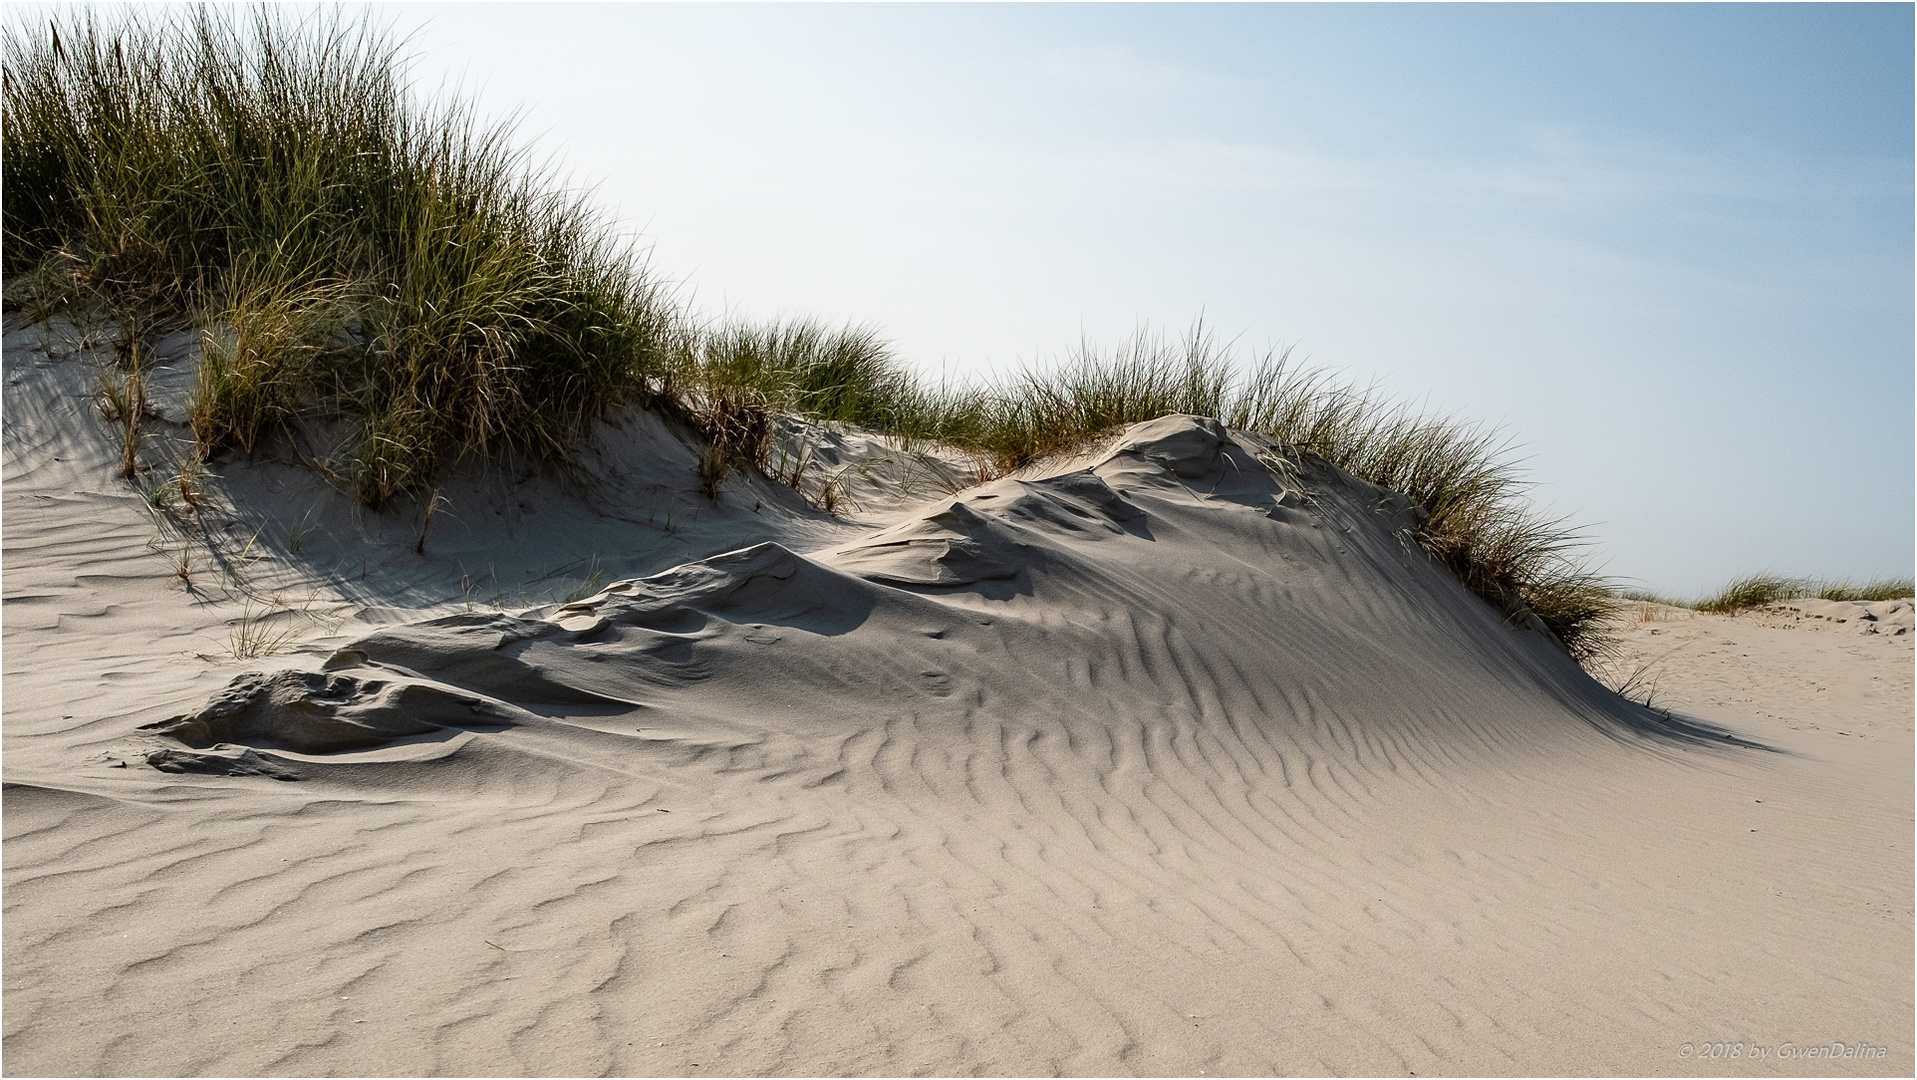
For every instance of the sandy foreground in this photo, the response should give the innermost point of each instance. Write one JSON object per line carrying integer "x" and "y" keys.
{"x": 1178, "y": 759}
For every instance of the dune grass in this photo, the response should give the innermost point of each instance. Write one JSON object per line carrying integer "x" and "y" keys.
{"x": 1870, "y": 591}
{"x": 730, "y": 379}
{"x": 1475, "y": 517}
{"x": 845, "y": 376}
{"x": 1041, "y": 412}
{"x": 1760, "y": 590}
{"x": 1753, "y": 590}
{"x": 345, "y": 247}
{"x": 351, "y": 252}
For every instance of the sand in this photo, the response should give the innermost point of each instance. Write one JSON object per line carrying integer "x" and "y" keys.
{"x": 1178, "y": 758}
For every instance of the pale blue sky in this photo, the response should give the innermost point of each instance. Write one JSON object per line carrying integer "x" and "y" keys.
{"x": 1668, "y": 248}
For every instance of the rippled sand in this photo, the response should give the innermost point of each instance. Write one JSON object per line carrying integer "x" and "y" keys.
{"x": 1178, "y": 759}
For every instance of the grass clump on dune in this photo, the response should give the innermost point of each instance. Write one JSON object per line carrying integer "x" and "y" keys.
{"x": 845, "y": 376}
{"x": 346, "y": 248}
{"x": 1761, "y": 590}
{"x": 1043, "y": 412}
{"x": 1475, "y": 517}
{"x": 732, "y": 379}
{"x": 1869, "y": 591}
{"x": 1754, "y": 590}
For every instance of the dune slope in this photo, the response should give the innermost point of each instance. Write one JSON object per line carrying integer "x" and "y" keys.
{"x": 1179, "y": 759}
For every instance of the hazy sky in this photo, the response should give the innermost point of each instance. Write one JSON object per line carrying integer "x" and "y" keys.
{"x": 1668, "y": 248}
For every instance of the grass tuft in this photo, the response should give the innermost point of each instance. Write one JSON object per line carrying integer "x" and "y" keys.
{"x": 1869, "y": 591}
{"x": 254, "y": 634}
{"x": 737, "y": 426}
{"x": 1754, "y": 590}
{"x": 259, "y": 360}
{"x": 1760, "y": 590}
{"x": 845, "y": 376}
{"x": 123, "y": 402}
{"x": 344, "y": 246}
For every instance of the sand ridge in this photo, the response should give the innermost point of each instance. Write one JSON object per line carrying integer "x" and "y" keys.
{"x": 1180, "y": 758}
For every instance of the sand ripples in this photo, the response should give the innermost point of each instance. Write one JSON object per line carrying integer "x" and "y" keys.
{"x": 1150, "y": 768}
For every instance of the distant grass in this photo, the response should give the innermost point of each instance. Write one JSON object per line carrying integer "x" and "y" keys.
{"x": 1761, "y": 590}
{"x": 1869, "y": 591}
{"x": 346, "y": 247}
{"x": 1646, "y": 596}
{"x": 1754, "y": 590}
{"x": 351, "y": 252}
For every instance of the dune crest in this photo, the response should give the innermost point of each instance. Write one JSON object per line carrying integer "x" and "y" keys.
{"x": 1067, "y": 571}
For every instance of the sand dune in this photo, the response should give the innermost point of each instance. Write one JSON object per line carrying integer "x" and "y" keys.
{"x": 1176, "y": 759}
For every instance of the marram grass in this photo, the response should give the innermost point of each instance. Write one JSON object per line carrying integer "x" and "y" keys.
{"x": 351, "y": 252}
{"x": 1760, "y": 590}
{"x": 1476, "y": 519}
{"x": 1870, "y": 591}
{"x": 344, "y": 246}
{"x": 1754, "y": 590}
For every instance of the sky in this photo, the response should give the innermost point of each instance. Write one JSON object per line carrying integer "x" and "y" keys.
{"x": 1666, "y": 249}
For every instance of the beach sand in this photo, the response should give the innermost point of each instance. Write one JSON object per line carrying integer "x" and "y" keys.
{"x": 1177, "y": 759}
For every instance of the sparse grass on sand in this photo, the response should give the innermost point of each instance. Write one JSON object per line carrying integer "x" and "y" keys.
{"x": 1476, "y": 519}
{"x": 350, "y": 252}
{"x": 1870, "y": 591}
{"x": 1760, "y": 590}
{"x": 1753, "y": 590}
